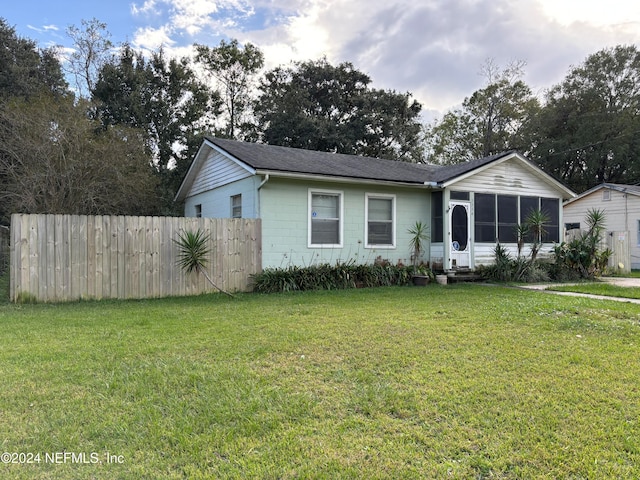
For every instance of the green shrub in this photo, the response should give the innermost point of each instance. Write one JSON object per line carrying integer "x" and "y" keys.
{"x": 334, "y": 277}
{"x": 582, "y": 257}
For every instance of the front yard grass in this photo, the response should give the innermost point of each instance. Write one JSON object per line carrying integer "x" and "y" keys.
{"x": 459, "y": 381}
{"x": 596, "y": 288}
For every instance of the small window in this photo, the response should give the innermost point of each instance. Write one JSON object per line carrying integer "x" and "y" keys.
{"x": 437, "y": 221}
{"x": 572, "y": 226}
{"x": 325, "y": 219}
{"x": 380, "y": 221}
{"x": 454, "y": 195}
{"x": 198, "y": 210}
{"x": 236, "y": 206}
{"x": 606, "y": 195}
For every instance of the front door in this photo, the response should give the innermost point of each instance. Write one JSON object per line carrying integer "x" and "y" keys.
{"x": 459, "y": 235}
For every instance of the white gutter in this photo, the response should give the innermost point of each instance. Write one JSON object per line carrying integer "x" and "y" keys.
{"x": 325, "y": 178}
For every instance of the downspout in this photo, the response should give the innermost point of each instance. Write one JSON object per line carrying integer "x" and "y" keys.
{"x": 265, "y": 180}
{"x": 262, "y": 184}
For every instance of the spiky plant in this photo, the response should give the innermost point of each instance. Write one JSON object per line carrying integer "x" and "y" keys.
{"x": 417, "y": 241}
{"x": 193, "y": 253}
{"x": 536, "y": 222}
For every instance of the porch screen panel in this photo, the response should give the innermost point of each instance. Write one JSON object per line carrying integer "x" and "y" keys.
{"x": 485, "y": 217}
{"x": 325, "y": 219}
{"x": 528, "y": 205}
{"x": 551, "y": 207}
{"x": 380, "y": 227}
{"x": 507, "y": 218}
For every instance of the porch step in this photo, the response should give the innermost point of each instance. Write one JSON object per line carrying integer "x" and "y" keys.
{"x": 463, "y": 276}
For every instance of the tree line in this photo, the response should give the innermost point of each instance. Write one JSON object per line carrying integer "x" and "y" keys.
{"x": 120, "y": 137}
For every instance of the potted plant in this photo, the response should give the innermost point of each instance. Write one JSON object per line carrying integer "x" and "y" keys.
{"x": 419, "y": 237}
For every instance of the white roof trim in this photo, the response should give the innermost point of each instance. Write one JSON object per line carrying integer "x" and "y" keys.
{"x": 328, "y": 178}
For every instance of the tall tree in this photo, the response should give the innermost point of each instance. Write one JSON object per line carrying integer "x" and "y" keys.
{"x": 163, "y": 98}
{"x": 234, "y": 67}
{"x": 490, "y": 121}
{"x": 588, "y": 131}
{"x": 55, "y": 159}
{"x": 318, "y": 106}
{"x": 91, "y": 51}
{"x": 26, "y": 70}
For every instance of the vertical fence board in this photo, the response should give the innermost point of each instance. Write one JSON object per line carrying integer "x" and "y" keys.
{"x": 68, "y": 257}
{"x": 51, "y": 256}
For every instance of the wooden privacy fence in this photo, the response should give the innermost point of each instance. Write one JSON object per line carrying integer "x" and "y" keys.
{"x": 69, "y": 257}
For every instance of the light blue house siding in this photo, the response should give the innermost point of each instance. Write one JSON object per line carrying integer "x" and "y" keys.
{"x": 286, "y": 213}
{"x": 218, "y": 203}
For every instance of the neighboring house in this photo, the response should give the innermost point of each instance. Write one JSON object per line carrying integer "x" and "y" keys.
{"x": 319, "y": 207}
{"x": 621, "y": 207}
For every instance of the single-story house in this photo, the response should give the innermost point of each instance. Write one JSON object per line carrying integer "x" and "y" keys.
{"x": 621, "y": 207}
{"x": 318, "y": 207}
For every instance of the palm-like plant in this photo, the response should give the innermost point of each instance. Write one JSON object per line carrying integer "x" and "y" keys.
{"x": 536, "y": 222}
{"x": 419, "y": 237}
{"x": 193, "y": 253}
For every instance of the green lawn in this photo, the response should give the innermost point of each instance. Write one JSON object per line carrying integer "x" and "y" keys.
{"x": 457, "y": 381}
{"x": 595, "y": 288}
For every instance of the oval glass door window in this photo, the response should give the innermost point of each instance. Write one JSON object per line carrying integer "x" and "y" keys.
{"x": 460, "y": 227}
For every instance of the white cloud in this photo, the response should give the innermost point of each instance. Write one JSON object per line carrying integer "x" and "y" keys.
{"x": 148, "y": 7}
{"x": 432, "y": 48}
{"x": 150, "y": 38}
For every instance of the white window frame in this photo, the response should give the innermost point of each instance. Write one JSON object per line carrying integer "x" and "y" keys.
{"x": 340, "y": 195}
{"x": 382, "y": 196}
{"x": 233, "y": 207}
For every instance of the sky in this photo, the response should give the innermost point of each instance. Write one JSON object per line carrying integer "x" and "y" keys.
{"x": 434, "y": 49}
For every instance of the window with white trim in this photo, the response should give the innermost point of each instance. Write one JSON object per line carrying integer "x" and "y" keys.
{"x": 380, "y": 221}
{"x": 325, "y": 218}
{"x": 236, "y": 206}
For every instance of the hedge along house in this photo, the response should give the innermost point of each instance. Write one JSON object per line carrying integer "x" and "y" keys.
{"x": 319, "y": 207}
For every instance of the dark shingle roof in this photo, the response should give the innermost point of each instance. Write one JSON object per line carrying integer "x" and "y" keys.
{"x": 294, "y": 160}
{"x": 274, "y": 159}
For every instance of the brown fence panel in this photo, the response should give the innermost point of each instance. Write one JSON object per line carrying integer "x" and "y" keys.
{"x": 69, "y": 257}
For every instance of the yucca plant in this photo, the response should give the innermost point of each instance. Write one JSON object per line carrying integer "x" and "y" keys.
{"x": 193, "y": 253}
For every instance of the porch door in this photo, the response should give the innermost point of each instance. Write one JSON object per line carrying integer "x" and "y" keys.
{"x": 459, "y": 235}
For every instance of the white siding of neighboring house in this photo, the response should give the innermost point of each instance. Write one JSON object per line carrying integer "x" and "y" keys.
{"x": 622, "y": 214}
{"x": 510, "y": 177}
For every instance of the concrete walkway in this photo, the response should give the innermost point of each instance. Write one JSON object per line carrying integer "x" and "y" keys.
{"x": 621, "y": 282}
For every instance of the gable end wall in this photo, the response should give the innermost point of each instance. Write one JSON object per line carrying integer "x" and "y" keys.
{"x": 217, "y": 170}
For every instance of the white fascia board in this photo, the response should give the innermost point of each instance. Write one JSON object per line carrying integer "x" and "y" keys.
{"x": 326, "y": 178}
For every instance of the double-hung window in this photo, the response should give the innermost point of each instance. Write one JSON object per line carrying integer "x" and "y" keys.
{"x": 380, "y": 221}
{"x": 325, "y": 218}
{"x": 236, "y": 206}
